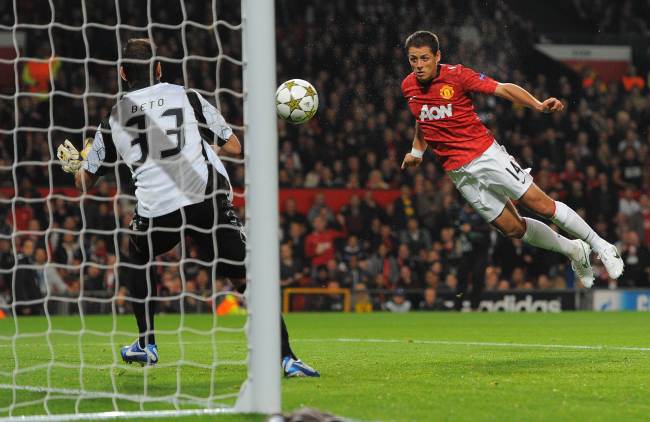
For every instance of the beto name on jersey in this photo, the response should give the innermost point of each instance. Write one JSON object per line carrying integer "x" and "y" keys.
{"x": 160, "y": 102}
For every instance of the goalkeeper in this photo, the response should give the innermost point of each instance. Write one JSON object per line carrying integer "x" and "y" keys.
{"x": 168, "y": 136}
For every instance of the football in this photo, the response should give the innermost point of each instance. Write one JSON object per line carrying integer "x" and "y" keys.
{"x": 296, "y": 101}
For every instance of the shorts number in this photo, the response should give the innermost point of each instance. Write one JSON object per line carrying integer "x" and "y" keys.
{"x": 141, "y": 139}
{"x": 517, "y": 172}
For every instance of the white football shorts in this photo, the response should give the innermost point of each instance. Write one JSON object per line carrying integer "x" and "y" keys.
{"x": 488, "y": 181}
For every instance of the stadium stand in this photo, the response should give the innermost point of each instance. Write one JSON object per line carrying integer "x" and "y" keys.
{"x": 390, "y": 231}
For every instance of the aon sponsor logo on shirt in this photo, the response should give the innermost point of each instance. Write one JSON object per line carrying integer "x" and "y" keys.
{"x": 435, "y": 113}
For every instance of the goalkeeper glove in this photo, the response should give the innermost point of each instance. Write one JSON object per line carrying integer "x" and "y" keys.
{"x": 69, "y": 155}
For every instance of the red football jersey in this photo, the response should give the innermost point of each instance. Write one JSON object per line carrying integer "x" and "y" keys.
{"x": 446, "y": 114}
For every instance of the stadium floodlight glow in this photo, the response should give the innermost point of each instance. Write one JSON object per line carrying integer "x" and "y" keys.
{"x": 32, "y": 387}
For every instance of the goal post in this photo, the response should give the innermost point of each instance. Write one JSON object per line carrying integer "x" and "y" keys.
{"x": 261, "y": 391}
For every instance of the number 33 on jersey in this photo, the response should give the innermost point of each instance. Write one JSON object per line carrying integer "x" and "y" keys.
{"x": 163, "y": 133}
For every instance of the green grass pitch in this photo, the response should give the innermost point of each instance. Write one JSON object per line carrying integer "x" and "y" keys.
{"x": 416, "y": 366}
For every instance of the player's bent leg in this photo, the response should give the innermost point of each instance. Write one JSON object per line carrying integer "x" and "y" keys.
{"x": 509, "y": 222}
{"x": 540, "y": 235}
{"x": 568, "y": 220}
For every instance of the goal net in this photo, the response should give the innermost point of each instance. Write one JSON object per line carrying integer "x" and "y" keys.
{"x": 65, "y": 306}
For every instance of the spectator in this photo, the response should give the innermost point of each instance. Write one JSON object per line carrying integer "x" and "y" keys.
{"x": 68, "y": 252}
{"x": 631, "y": 168}
{"x": 319, "y": 244}
{"x": 6, "y": 262}
{"x": 50, "y": 282}
{"x": 428, "y": 206}
{"x": 382, "y": 263}
{"x": 355, "y": 216}
{"x": 26, "y": 282}
{"x": 431, "y": 302}
{"x": 361, "y": 299}
{"x": 450, "y": 285}
{"x": 628, "y": 205}
{"x": 637, "y": 262}
{"x": 375, "y": 180}
{"x": 398, "y": 303}
{"x": 292, "y": 215}
{"x": 333, "y": 301}
{"x": 645, "y": 218}
{"x": 203, "y": 285}
{"x": 352, "y": 248}
{"x": 473, "y": 243}
{"x": 318, "y": 206}
{"x": 290, "y": 268}
{"x": 405, "y": 206}
{"x": 94, "y": 279}
{"x": 296, "y": 237}
{"x": 354, "y": 273}
{"x": 414, "y": 237}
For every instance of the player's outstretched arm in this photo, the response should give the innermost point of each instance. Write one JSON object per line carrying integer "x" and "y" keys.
{"x": 518, "y": 95}
{"x": 414, "y": 158}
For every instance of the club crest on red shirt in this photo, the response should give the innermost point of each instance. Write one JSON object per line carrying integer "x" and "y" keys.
{"x": 447, "y": 91}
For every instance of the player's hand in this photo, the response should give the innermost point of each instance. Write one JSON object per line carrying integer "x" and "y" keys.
{"x": 69, "y": 157}
{"x": 551, "y": 105}
{"x": 410, "y": 161}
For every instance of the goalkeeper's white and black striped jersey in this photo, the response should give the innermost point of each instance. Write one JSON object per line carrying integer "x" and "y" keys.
{"x": 163, "y": 133}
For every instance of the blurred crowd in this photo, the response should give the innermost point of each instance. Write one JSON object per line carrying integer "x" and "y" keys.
{"x": 428, "y": 242}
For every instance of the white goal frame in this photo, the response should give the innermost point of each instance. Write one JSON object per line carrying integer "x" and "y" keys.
{"x": 261, "y": 391}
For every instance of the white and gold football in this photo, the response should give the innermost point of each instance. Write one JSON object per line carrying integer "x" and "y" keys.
{"x": 296, "y": 101}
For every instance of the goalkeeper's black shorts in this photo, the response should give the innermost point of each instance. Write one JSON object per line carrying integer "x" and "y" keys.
{"x": 208, "y": 229}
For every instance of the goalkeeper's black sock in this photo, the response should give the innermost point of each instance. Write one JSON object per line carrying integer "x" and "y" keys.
{"x": 284, "y": 335}
{"x": 140, "y": 288}
{"x": 139, "y": 309}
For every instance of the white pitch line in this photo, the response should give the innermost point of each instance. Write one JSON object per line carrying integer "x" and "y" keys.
{"x": 411, "y": 341}
{"x": 102, "y": 416}
{"x": 174, "y": 399}
{"x": 496, "y": 344}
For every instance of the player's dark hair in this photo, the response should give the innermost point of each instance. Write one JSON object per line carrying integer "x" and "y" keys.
{"x": 134, "y": 53}
{"x": 423, "y": 39}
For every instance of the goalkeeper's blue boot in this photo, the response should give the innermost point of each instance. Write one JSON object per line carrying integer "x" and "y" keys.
{"x": 297, "y": 368}
{"x": 135, "y": 353}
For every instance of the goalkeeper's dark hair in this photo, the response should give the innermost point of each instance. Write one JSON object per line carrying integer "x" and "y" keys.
{"x": 423, "y": 39}
{"x": 135, "y": 53}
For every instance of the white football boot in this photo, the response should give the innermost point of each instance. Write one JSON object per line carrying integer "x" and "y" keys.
{"x": 612, "y": 261}
{"x": 582, "y": 265}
